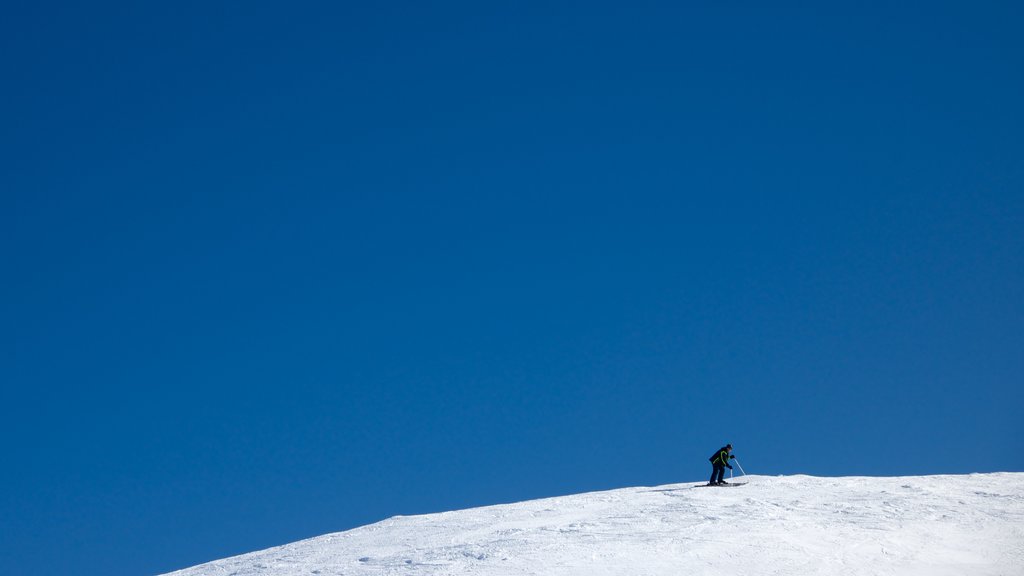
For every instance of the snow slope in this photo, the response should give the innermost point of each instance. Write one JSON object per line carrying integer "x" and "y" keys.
{"x": 793, "y": 525}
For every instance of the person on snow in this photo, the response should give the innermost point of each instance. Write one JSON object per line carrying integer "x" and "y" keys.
{"x": 719, "y": 462}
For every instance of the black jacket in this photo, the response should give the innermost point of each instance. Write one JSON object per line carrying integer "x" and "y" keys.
{"x": 720, "y": 457}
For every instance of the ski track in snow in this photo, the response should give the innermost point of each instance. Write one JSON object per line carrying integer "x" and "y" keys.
{"x": 788, "y": 525}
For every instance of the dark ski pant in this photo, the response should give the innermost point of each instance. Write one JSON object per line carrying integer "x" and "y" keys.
{"x": 719, "y": 471}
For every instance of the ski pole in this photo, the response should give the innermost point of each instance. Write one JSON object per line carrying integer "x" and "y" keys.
{"x": 741, "y": 467}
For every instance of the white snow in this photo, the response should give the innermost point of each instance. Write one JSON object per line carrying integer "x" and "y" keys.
{"x": 787, "y": 525}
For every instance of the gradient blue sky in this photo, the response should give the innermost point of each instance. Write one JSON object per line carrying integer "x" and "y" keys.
{"x": 274, "y": 271}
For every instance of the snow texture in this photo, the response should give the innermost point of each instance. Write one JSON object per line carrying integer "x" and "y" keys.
{"x": 786, "y": 525}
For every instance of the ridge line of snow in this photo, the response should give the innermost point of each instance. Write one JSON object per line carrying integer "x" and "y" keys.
{"x": 798, "y": 524}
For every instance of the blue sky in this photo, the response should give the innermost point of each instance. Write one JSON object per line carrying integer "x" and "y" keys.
{"x": 275, "y": 271}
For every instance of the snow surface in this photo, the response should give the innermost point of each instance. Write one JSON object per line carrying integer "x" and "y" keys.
{"x": 786, "y": 525}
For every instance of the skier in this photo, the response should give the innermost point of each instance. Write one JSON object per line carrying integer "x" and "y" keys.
{"x": 719, "y": 462}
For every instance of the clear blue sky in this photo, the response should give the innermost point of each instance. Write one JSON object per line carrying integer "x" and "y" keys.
{"x": 274, "y": 271}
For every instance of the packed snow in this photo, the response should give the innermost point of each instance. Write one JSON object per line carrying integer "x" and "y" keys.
{"x": 786, "y": 525}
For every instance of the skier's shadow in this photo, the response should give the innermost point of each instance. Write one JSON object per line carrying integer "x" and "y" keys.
{"x": 666, "y": 490}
